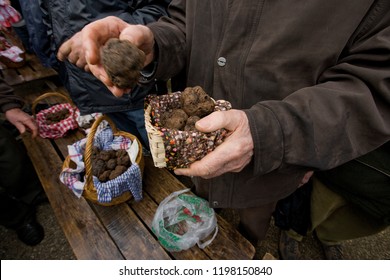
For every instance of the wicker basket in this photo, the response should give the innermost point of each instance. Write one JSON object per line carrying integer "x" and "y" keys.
{"x": 48, "y": 95}
{"x": 59, "y": 129}
{"x": 172, "y": 148}
{"x": 90, "y": 192}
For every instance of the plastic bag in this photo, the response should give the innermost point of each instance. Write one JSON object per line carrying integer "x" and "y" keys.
{"x": 183, "y": 220}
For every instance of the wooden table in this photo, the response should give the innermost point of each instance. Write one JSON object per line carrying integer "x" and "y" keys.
{"x": 30, "y": 71}
{"x": 122, "y": 231}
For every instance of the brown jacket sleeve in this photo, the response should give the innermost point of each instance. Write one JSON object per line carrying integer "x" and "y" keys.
{"x": 8, "y": 100}
{"x": 344, "y": 116}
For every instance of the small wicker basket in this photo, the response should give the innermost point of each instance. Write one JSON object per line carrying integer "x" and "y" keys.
{"x": 48, "y": 95}
{"x": 55, "y": 130}
{"x": 172, "y": 148}
{"x": 90, "y": 192}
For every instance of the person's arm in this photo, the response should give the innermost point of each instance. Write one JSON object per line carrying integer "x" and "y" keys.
{"x": 144, "y": 12}
{"x": 344, "y": 116}
{"x": 11, "y": 105}
{"x": 170, "y": 38}
{"x": 7, "y": 98}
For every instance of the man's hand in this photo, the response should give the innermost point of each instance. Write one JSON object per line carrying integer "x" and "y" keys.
{"x": 22, "y": 121}
{"x": 73, "y": 51}
{"x": 232, "y": 155}
{"x": 85, "y": 52}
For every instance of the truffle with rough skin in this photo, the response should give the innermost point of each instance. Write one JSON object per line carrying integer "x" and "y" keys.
{"x": 119, "y": 170}
{"x": 190, "y": 125}
{"x": 55, "y": 117}
{"x": 176, "y": 119}
{"x": 123, "y": 62}
{"x": 196, "y": 102}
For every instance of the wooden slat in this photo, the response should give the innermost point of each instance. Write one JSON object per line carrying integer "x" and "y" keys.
{"x": 37, "y": 66}
{"x": 32, "y": 70}
{"x": 131, "y": 236}
{"x": 12, "y": 76}
{"x": 28, "y": 73}
{"x": 85, "y": 233}
{"x": 229, "y": 243}
{"x": 70, "y": 138}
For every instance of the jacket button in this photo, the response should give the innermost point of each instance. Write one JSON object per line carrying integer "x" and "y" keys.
{"x": 215, "y": 203}
{"x": 221, "y": 61}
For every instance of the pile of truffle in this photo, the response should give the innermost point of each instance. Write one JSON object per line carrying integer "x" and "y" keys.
{"x": 195, "y": 104}
{"x": 55, "y": 117}
{"x": 109, "y": 164}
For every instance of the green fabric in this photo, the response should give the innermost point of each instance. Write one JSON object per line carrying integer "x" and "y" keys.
{"x": 365, "y": 182}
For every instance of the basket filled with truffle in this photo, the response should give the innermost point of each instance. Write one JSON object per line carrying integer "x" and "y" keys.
{"x": 106, "y": 167}
{"x": 170, "y": 122}
{"x": 56, "y": 120}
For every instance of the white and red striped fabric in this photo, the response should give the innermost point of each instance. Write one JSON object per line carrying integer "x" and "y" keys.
{"x": 59, "y": 129}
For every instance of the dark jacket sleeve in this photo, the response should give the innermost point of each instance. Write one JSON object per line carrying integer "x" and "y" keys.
{"x": 345, "y": 115}
{"x": 170, "y": 37}
{"x": 144, "y": 12}
{"x": 8, "y": 100}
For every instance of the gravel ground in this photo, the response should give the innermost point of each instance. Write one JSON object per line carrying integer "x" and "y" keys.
{"x": 55, "y": 246}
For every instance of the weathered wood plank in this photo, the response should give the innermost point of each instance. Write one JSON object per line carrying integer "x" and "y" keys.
{"x": 129, "y": 233}
{"x": 37, "y": 66}
{"x": 70, "y": 138}
{"x": 85, "y": 233}
{"x": 32, "y": 70}
{"x": 12, "y": 76}
{"x": 28, "y": 73}
{"x": 228, "y": 244}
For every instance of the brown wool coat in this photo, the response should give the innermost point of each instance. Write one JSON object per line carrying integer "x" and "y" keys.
{"x": 312, "y": 77}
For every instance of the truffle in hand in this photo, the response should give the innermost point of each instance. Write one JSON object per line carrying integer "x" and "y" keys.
{"x": 123, "y": 62}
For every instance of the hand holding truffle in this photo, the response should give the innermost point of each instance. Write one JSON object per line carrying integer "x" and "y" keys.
{"x": 92, "y": 38}
{"x": 72, "y": 50}
{"x": 232, "y": 155}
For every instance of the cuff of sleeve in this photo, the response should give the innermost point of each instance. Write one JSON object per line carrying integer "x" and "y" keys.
{"x": 267, "y": 139}
{"x": 149, "y": 72}
{"x": 10, "y": 106}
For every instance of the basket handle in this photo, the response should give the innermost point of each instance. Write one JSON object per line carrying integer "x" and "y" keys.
{"x": 46, "y": 95}
{"x": 89, "y": 145}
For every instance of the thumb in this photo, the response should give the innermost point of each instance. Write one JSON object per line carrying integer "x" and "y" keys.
{"x": 211, "y": 122}
{"x": 218, "y": 120}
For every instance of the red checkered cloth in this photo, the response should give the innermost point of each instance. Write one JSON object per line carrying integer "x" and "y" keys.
{"x": 8, "y": 14}
{"x": 56, "y": 130}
